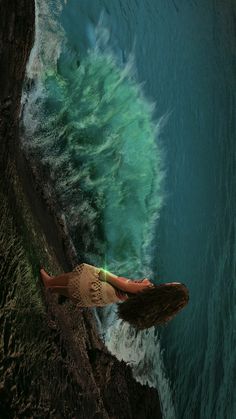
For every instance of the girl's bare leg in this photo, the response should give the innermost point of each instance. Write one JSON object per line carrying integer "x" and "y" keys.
{"x": 57, "y": 284}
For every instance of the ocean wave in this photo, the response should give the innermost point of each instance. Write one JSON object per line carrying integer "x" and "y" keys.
{"x": 90, "y": 125}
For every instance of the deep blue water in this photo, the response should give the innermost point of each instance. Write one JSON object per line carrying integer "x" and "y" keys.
{"x": 90, "y": 119}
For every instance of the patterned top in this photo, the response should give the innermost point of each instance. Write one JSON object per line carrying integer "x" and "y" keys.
{"x": 86, "y": 288}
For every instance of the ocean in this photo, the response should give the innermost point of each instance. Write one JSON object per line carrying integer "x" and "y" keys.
{"x": 129, "y": 108}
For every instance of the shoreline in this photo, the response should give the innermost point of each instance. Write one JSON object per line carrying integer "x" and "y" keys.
{"x": 93, "y": 375}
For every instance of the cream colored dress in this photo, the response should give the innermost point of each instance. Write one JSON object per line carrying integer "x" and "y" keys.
{"x": 86, "y": 288}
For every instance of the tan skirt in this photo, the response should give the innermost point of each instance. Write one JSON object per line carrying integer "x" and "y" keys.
{"x": 86, "y": 289}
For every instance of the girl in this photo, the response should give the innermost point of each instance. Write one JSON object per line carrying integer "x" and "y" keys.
{"x": 143, "y": 303}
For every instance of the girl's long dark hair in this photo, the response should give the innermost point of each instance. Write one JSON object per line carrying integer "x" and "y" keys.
{"x": 154, "y": 306}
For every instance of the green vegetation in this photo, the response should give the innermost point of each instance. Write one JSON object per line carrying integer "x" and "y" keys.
{"x": 30, "y": 352}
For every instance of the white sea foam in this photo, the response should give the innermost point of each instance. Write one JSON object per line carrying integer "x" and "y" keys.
{"x": 142, "y": 352}
{"x": 49, "y": 36}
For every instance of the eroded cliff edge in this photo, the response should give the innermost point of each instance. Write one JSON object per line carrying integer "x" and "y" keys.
{"x": 52, "y": 362}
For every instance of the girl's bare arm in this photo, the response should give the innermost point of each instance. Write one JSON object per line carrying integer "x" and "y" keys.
{"x": 122, "y": 283}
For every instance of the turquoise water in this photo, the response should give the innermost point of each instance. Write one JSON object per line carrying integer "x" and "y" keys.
{"x": 97, "y": 137}
{"x": 145, "y": 194}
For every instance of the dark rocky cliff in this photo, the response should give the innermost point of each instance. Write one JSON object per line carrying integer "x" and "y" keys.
{"x": 52, "y": 362}
{"x": 16, "y": 38}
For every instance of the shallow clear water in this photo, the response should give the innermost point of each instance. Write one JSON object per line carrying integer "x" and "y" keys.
{"x": 89, "y": 118}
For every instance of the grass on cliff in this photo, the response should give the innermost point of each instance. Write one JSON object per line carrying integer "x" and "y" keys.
{"x": 22, "y": 308}
{"x": 31, "y": 368}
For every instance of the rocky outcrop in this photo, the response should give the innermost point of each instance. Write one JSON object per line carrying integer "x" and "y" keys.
{"x": 16, "y": 39}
